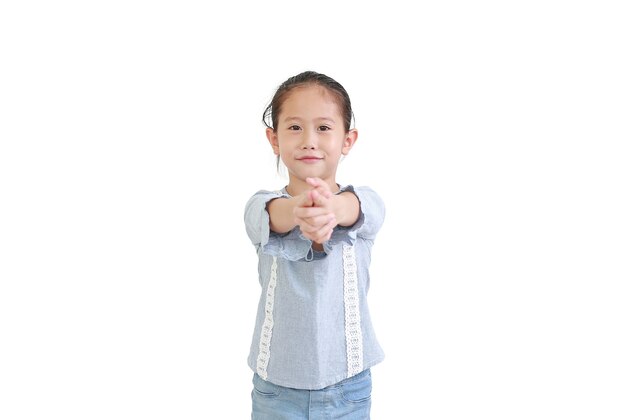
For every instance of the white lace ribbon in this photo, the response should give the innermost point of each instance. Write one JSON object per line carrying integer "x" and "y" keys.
{"x": 354, "y": 336}
{"x": 268, "y": 325}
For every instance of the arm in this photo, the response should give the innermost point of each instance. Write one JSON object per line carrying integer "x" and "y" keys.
{"x": 346, "y": 207}
{"x": 281, "y": 210}
{"x": 312, "y": 210}
{"x": 290, "y": 245}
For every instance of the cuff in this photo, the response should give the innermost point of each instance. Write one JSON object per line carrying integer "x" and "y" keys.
{"x": 346, "y": 234}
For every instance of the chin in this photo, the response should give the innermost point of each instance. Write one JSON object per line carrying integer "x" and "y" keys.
{"x": 304, "y": 176}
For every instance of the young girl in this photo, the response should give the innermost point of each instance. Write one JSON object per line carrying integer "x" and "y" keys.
{"x": 313, "y": 344}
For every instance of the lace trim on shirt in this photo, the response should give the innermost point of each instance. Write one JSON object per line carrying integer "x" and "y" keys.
{"x": 354, "y": 336}
{"x": 268, "y": 325}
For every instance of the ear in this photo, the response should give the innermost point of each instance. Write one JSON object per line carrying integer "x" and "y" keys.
{"x": 349, "y": 141}
{"x": 273, "y": 139}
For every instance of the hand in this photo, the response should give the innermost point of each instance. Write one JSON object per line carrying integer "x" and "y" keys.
{"x": 314, "y": 212}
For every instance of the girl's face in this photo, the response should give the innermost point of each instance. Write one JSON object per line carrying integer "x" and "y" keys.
{"x": 310, "y": 137}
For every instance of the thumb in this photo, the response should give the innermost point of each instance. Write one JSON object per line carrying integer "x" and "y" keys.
{"x": 318, "y": 198}
{"x": 313, "y": 181}
{"x": 305, "y": 200}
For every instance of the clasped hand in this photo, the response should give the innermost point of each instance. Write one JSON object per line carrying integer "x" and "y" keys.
{"x": 314, "y": 211}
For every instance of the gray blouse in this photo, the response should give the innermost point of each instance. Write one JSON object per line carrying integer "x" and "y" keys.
{"x": 313, "y": 326}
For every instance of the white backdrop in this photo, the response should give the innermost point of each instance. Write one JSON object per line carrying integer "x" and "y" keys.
{"x": 131, "y": 138}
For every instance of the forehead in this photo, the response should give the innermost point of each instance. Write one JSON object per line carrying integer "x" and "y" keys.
{"x": 309, "y": 100}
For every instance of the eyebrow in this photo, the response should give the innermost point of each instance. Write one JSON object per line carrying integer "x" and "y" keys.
{"x": 315, "y": 119}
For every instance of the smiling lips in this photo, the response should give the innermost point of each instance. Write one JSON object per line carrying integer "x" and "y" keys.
{"x": 309, "y": 159}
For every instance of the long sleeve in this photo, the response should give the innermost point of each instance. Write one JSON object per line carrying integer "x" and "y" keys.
{"x": 369, "y": 222}
{"x": 291, "y": 246}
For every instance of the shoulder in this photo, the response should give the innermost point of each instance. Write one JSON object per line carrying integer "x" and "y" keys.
{"x": 357, "y": 188}
{"x": 266, "y": 195}
{"x": 277, "y": 192}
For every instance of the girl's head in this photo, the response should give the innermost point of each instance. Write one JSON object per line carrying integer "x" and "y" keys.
{"x": 309, "y": 78}
{"x": 308, "y": 127}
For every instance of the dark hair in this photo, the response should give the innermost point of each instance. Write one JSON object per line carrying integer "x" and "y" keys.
{"x": 270, "y": 115}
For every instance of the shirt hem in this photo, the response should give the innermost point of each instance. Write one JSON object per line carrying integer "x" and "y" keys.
{"x": 320, "y": 385}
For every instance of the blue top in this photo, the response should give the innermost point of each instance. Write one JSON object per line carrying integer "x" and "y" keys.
{"x": 313, "y": 326}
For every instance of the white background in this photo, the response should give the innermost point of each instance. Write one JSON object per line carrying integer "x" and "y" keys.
{"x": 131, "y": 138}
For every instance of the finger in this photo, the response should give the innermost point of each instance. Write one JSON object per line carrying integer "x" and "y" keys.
{"x": 311, "y": 195}
{"x": 317, "y": 226}
{"x": 308, "y": 231}
{"x": 314, "y": 181}
{"x": 319, "y": 184}
{"x": 323, "y": 235}
{"x": 309, "y": 226}
{"x": 319, "y": 200}
{"x": 326, "y": 193}
{"x": 308, "y": 212}
{"x": 306, "y": 200}
{"x": 319, "y": 222}
{"x": 314, "y": 224}
{"x": 303, "y": 201}
{"x": 325, "y": 232}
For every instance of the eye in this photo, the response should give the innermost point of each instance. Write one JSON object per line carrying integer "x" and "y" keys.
{"x": 324, "y": 128}
{"x": 294, "y": 127}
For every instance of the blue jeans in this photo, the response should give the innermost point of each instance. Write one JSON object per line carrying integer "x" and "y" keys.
{"x": 349, "y": 399}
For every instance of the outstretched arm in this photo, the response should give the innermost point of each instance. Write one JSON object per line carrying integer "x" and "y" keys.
{"x": 316, "y": 211}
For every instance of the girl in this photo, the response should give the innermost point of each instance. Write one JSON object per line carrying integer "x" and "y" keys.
{"x": 313, "y": 343}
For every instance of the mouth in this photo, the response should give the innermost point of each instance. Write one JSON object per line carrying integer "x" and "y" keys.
{"x": 309, "y": 159}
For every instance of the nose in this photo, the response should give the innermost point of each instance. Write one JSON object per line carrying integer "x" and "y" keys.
{"x": 309, "y": 140}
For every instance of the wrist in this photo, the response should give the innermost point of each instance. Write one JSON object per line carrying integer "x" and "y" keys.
{"x": 281, "y": 215}
{"x": 346, "y": 208}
